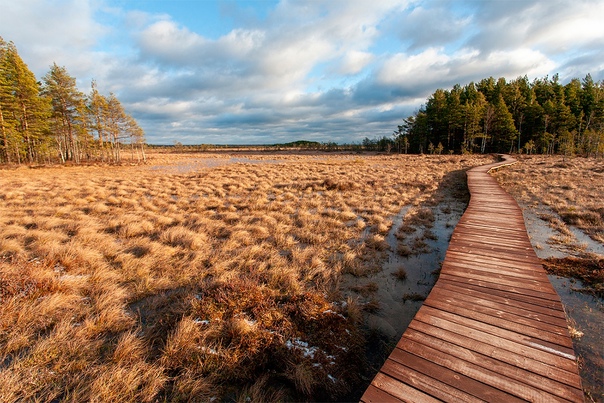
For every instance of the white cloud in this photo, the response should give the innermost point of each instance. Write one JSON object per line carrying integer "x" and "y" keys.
{"x": 354, "y": 62}
{"x": 318, "y": 69}
{"x": 62, "y": 31}
{"x": 429, "y": 65}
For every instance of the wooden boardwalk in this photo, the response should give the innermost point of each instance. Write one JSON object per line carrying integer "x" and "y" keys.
{"x": 493, "y": 328}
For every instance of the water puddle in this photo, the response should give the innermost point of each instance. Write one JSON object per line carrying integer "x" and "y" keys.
{"x": 585, "y": 313}
{"x": 400, "y": 299}
{"x": 540, "y": 234}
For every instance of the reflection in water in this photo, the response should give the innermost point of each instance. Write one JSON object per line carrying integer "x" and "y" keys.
{"x": 586, "y": 314}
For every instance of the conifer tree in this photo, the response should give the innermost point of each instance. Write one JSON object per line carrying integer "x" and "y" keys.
{"x": 24, "y": 112}
{"x": 69, "y": 117}
{"x": 97, "y": 109}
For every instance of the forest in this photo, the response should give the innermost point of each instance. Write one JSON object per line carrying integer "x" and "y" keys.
{"x": 53, "y": 121}
{"x": 541, "y": 116}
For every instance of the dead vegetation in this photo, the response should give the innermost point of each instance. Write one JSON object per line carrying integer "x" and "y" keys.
{"x": 590, "y": 271}
{"x": 197, "y": 278}
{"x": 572, "y": 188}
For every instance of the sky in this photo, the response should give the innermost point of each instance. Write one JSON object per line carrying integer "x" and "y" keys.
{"x": 265, "y": 72}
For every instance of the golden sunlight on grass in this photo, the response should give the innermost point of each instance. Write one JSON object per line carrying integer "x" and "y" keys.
{"x": 201, "y": 277}
{"x": 572, "y": 189}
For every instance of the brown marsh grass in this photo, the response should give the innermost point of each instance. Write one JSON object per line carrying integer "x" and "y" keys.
{"x": 197, "y": 278}
{"x": 573, "y": 188}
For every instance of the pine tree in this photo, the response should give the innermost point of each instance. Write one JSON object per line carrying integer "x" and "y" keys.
{"x": 504, "y": 129}
{"x": 69, "y": 114}
{"x": 116, "y": 126}
{"x": 24, "y": 113}
{"x": 97, "y": 110}
{"x": 5, "y": 97}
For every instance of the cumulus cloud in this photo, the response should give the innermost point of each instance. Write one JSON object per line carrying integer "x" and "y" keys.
{"x": 321, "y": 70}
{"x": 434, "y": 26}
{"x": 60, "y": 31}
{"x": 554, "y": 26}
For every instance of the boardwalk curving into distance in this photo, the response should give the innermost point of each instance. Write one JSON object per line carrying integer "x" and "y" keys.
{"x": 493, "y": 328}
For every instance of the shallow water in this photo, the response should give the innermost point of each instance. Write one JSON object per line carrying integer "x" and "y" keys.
{"x": 540, "y": 232}
{"x": 585, "y": 312}
{"x": 395, "y": 311}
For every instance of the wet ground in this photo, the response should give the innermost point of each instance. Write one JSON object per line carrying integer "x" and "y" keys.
{"x": 584, "y": 311}
{"x": 400, "y": 296}
{"x": 397, "y": 305}
{"x": 400, "y": 299}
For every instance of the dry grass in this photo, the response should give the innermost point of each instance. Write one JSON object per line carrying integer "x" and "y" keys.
{"x": 572, "y": 188}
{"x": 196, "y": 277}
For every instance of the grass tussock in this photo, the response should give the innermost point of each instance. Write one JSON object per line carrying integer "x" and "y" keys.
{"x": 590, "y": 270}
{"x": 566, "y": 186}
{"x": 197, "y": 278}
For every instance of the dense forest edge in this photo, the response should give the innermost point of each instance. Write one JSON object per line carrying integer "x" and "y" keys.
{"x": 52, "y": 121}
{"x": 541, "y": 116}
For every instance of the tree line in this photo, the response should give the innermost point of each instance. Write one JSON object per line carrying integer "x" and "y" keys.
{"x": 539, "y": 116}
{"x": 53, "y": 121}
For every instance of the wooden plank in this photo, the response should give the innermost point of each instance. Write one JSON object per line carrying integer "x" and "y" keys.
{"x": 492, "y": 328}
{"x": 515, "y": 323}
{"x": 468, "y": 389}
{"x": 548, "y": 353}
{"x": 467, "y": 264}
{"x": 497, "y": 262}
{"x": 398, "y": 390}
{"x": 374, "y": 394}
{"x": 479, "y": 250}
{"x": 509, "y": 389}
{"x": 486, "y": 348}
{"x": 522, "y": 294}
{"x": 495, "y": 239}
{"x": 534, "y": 385}
{"x": 430, "y": 379}
{"x": 538, "y": 286}
{"x": 493, "y": 228}
{"x": 482, "y": 297}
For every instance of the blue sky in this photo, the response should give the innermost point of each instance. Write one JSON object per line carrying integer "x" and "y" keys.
{"x": 257, "y": 72}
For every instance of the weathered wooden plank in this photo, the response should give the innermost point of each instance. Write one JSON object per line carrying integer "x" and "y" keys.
{"x": 530, "y": 295}
{"x": 398, "y": 391}
{"x": 532, "y": 268}
{"x": 486, "y": 348}
{"x": 481, "y": 296}
{"x": 467, "y": 264}
{"x": 448, "y": 380}
{"x": 493, "y": 327}
{"x": 432, "y": 379}
{"x": 509, "y": 389}
{"x": 495, "y": 239}
{"x": 549, "y": 353}
{"x": 539, "y": 286}
{"x": 374, "y": 394}
{"x": 533, "y": 385}
{"x": 477, "y": 249}
{"x": 515, "y": 323}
